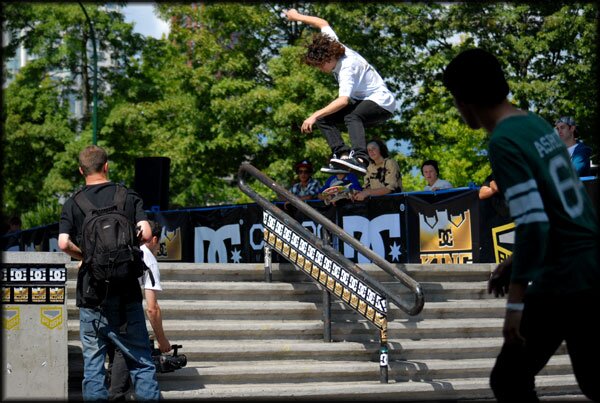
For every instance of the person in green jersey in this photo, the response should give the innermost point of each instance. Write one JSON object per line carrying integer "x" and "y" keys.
{"x": 552, "y": 279}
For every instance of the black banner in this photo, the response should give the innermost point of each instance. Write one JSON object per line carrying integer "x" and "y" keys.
{"x": 448, "y": 226}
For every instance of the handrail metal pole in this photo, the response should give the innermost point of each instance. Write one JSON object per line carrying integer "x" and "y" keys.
{"x": 383, "y": 356}
{"x": 326, "y": 315}
{"x": 410, "y": 283}
{"x": 326, "y": 300}
{"x": 268, "y": 271}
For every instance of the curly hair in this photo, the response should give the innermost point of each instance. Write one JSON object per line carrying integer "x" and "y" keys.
{"x": 383, "y": 150}
{"x": 322, "y": 50}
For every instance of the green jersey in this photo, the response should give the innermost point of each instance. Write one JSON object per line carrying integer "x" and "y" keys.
{"x": 556, "y": 235}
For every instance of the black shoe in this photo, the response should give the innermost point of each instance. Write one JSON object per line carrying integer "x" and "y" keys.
{"x": 330, "y": 169}
{"x": 350, "y": 163}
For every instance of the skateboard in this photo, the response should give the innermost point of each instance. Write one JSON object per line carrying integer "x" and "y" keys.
{"x": 337, "y": 192}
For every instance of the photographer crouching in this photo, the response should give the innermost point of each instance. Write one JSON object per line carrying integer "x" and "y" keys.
{"x": 118, "y": 372}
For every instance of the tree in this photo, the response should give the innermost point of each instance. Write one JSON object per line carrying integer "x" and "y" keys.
{"x": 36, "y": 130}
{"x": 228, "y": 86}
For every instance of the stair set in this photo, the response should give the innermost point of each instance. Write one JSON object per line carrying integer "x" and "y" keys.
{"x": 324, "y": 328}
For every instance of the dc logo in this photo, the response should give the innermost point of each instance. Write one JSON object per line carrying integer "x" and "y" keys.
{"x": 445, "y": 238}
{"x": 217, "y": 249}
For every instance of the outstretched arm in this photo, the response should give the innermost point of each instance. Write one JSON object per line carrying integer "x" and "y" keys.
{"x": 293, "y": 15}
{"x": 155, "y": 318}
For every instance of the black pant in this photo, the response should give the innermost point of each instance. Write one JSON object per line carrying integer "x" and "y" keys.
{"x": 546, "y": 322}
{"x": 356, "y": 116}
{"x": 119, "y": 378}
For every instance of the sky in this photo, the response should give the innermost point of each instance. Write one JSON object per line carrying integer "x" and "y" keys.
{"x": 144, "y": 19}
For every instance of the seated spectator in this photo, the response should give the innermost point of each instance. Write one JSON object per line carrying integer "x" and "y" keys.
{"x": 307, "y": 187}
{"x": 579, "y": 152}
{"x": 431, "y": 172}
{"x": 341, "y": 179}
{"x": 383, "y": 173}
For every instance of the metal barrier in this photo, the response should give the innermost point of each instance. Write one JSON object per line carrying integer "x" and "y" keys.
{"x": 325, "y": 265}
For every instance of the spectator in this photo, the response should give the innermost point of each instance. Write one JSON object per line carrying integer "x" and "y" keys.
{"x": 431, "y": 172}
{"x": 363, "y": 97}
{"x": 383, "y": 173}
{"x": 341, "y": 179}
{"x": 579, "y": 152}
{"x": 120, "y": 381}
{"x": 104, "y": 309}
{"x": 307, "y": 187}
{"x": 553, "y": 271}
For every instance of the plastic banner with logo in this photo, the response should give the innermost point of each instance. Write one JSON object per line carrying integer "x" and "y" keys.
{"x": 443, "y": 227}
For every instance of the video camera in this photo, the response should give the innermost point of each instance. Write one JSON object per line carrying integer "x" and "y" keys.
{"x": 168, "y": 363}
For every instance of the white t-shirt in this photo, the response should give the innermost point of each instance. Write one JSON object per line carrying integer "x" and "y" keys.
{"x": 152, "y": 264}
{"x": 440, "y": 184}
{"x": 358, "y": 79}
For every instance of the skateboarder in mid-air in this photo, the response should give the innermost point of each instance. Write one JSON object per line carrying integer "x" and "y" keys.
{"x": 363, "y": 100}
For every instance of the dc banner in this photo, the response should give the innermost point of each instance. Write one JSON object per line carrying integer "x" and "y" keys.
{"x": 226, "y": 234}
{"x": 377, "y": 223}
{"x": 444, "y": 227}
{"x": 175, "y": 242}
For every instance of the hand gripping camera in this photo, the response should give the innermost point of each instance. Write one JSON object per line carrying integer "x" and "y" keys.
{"x": 168, "y": 363}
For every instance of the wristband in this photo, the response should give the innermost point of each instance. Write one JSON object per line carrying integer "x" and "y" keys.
{"x": 515, "y": 306}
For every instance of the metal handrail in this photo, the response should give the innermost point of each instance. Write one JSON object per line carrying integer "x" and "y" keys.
{"x": 411, "y": 309}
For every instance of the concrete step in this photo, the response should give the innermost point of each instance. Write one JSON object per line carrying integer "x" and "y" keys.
{"x": 295, "y": 349}
{"x": 299, "y": 291}
{"x": 551, "y": 387}
{"x": 295, "y": 310}
{"x": 313, "y": 329}
{"x": 305, "y": 371}
{"x": 177, "y": 271}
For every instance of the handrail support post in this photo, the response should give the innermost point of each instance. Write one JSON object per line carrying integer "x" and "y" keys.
{"x": 268, "y": 271}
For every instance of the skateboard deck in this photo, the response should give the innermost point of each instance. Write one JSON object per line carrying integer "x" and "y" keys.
{"x": 337, "y": 192}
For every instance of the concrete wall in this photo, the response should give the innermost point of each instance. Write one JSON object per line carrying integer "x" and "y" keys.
{"x": 34, "y": 326}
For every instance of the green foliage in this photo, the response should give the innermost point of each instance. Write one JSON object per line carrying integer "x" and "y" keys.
{"x": 41, "y": 214}
{"x": 227, "y": 86}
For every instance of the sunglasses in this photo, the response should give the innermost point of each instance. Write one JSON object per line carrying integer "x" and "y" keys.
{"x": 303, "y": 171}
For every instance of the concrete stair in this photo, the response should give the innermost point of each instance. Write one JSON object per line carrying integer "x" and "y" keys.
{"x": 247, "y": 339}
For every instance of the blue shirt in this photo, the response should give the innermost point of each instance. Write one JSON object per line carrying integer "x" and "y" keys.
{"x": 311, "y": 189}
{"x": 348, "y": 178}
{"x": 581, "y": 158}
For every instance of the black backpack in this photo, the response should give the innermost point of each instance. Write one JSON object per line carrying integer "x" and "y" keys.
{"x": 110, "y": 246}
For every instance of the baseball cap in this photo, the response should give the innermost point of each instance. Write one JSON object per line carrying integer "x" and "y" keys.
{"x": 568, "y": 120}
{"x": 304, "y": 164}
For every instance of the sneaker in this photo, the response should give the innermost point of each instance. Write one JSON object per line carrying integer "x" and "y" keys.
{"x": 333, "y": 170}
{"x": 350, "y": 163}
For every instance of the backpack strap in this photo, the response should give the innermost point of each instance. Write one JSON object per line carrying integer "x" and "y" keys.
{"x": 83, "y": 202}
{"x": 120, "y": 197}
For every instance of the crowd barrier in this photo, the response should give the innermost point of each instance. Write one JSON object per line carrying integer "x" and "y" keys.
{"x": 446, "y": 226}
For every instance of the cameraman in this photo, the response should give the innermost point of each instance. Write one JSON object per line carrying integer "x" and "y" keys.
{"x": 120, "y": 381}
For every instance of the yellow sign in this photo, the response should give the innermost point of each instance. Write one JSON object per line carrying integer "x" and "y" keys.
{"x": 445, "y": 238}
{"x": 11, "y": 318}
{"x": 20, "y": 294}
{"x": 38, "y": 294}
{"x": 504, "y": 237}
{"x": 57, "y": 294}
{"x": 5, "y": 294}
{"x": 51, "y": 317}
{"x": 169, "y": 245}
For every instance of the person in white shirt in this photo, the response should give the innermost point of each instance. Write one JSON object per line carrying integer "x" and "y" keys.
{"x": 119, "y": 374}
{"x": 431, "y": 172}
{"x": 363, "y": 97}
